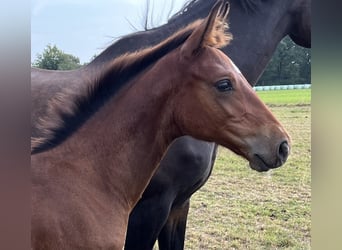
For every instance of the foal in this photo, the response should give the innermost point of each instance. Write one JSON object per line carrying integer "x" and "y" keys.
{"x": 102, "y": 146}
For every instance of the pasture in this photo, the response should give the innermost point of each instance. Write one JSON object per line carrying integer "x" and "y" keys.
{"x": 239, "y": 208}
{"x": 286, "y": 97}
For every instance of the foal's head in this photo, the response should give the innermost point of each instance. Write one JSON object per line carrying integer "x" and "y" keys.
{"x": 216, "y": 103}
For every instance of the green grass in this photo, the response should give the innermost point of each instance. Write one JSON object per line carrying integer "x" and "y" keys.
{"x": 286, "y": 97}
{"x": 239, "y": 208}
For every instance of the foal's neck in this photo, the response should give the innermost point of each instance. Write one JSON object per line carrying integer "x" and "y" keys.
{"x": 129, "y": 135}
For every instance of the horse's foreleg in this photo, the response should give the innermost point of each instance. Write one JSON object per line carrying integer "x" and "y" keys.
{"x": 172, "y": 235}
{"x": 145, "y": 223}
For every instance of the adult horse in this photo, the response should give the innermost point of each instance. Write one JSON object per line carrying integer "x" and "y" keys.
{"x": 102, "y": 143}
{"x": 257, "y": 26}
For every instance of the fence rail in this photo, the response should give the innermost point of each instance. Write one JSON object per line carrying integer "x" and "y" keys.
{"x": 282, "y": 87}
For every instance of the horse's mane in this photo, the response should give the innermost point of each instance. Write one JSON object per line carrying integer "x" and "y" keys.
{"x": 68, "y": 110}
{"x": 249, "y": 6}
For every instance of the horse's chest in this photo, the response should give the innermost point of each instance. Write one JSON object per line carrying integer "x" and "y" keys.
{"x": 76, "y": 216}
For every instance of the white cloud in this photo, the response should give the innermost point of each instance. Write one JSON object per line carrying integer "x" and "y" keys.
{"x": 37, "y": 6}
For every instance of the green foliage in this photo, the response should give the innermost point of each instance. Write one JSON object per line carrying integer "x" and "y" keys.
{"x": 290, "y": 64}
{"x": 55, "y": 59}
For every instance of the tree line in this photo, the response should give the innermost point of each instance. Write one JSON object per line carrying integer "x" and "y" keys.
{"x": 290, "y": 64}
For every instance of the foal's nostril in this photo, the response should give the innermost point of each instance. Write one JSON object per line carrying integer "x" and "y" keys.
{"x": 283, "y": 151}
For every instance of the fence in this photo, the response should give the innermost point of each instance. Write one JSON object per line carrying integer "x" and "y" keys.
{"x": 282, "y": 87}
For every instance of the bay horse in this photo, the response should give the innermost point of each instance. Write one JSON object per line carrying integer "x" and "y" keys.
{"x": 258, "y": 26}
{"x": 102, "y": 143}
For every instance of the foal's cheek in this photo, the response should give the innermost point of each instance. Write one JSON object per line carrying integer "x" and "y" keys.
{"x": 229, "y": 105}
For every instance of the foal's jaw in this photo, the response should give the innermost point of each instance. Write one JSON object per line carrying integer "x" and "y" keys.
{"x": 263, "y": 156}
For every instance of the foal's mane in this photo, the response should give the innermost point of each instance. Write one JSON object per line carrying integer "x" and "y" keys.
{"x": 68, "y": 110}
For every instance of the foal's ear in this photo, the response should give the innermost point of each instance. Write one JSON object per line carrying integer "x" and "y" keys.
{"x": 211, "y": 31}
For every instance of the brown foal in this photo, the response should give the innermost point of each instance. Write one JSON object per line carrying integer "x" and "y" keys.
{"x": 102, "y": 146}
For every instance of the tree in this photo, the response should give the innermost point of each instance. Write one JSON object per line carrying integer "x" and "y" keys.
{"x": 290, "y": 64}
{"x": 55, "y": 59}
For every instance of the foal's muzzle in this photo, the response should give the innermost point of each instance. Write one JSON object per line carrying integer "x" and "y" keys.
{"x": 283, "y": 152}
{"x": 262, "y": 163}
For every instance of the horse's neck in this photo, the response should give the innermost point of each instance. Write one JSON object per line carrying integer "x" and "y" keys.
{"x": 258, "y": 53}
{"x": 118, "y": 136}
{"x": 256, "y": 37}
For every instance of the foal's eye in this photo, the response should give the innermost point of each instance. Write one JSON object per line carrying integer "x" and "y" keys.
{"x": 224, "y": 85}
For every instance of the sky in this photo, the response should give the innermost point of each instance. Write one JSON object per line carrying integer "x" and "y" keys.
{"x": 84, "y": 28}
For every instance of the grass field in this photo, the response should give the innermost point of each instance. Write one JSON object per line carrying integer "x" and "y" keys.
{"x": 286, "y": 97}
{"x": 239, "y": 208}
